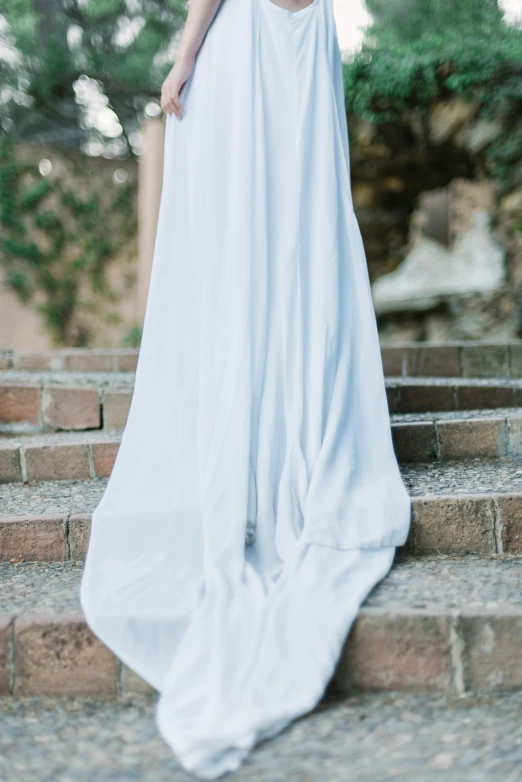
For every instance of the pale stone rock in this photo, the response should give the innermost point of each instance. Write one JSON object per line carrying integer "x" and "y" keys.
{"x": 480, "y": 135}
{"x": 431, "y": 273}
{"x": 446, "y": 119}
{"x": 512, "y": 202}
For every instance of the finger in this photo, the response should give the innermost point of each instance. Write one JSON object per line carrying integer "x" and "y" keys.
{"x": 178, "y": 107}
{"x": 173, "y": 108}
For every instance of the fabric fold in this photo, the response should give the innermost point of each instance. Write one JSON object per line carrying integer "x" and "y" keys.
{"x": 255, "y": 499}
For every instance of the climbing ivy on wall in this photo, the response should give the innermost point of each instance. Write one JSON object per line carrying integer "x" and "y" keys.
{"x": 56, "y": 243}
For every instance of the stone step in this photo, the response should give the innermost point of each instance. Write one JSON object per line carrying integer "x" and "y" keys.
{"x": 471, "y": 359}
{"x": 58, "y": 456}
{"x": 456, "y": 435}
{"x": 32, "y": 402}
{"x": 466, "y": 507}
{"x": 417, "y": 438}
{"x": 426, "y": 359}
{"x": 425, "y": 395}
{"x": 451, "y": 625}
{"x": 70, "y": 360}
{"x": 379, "y": 737}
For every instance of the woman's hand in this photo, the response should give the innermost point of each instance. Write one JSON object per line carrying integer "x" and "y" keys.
{"x": 173, "y": 85}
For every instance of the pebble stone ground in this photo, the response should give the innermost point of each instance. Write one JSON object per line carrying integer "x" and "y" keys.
{"x": 458, "y": 582}
{"x": 364, "y": 738}
{"x": 470, "y": 477}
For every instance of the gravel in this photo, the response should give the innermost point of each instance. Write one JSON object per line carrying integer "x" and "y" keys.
{"x": 14, "y": 377}
{"x": 455, "y": 415}
{"x": 460, "y": 582}
{"x": 54, "y": 497}
{"x": 476, "y": 476}
{"x": 126, "y": 379}
{"x": 364, "y": 738}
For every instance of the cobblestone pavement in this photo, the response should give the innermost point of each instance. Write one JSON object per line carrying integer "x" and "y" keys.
{"x": 361, "y": 738}
{"x": 464, "y": 582}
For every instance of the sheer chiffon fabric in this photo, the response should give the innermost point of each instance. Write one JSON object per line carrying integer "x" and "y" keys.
{"x": 256, "y": 499}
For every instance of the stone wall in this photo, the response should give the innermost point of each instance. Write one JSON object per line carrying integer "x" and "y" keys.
{"x": 399, "y": 167}
{"x": 102, "y": 318}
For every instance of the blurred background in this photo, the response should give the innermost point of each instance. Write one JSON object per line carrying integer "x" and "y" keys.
{"x": 434, "y": 101}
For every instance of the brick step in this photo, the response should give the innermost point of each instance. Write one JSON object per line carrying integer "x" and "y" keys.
{"x": 465, "y": 507}
{"x": 436, "y": 624}
{"x": 426, "y": 395}
{"x": 70, "y": 360}
{"x": 32, "y": 402}
{"x": 420, "y": 737}
{"x": 476, "y": 359}
{"x": 58, "y": 456}
{"x": 426, "y": 359}
{"x": 417, "y": 438}
{"x": 456, "y": 435}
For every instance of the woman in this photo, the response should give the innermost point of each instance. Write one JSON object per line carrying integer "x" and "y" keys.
{"x": 256, "y": 499}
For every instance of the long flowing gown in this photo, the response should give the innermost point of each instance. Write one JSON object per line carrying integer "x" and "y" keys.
{"x": 256, "y": 498}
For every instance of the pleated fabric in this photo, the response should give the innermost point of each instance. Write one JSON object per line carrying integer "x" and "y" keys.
{"x": 256, "y": 498}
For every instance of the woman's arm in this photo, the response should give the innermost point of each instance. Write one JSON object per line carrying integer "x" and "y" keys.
{"x": 200, "y": 16}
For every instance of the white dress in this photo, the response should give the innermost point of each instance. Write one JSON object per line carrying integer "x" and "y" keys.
{"x": 256, "y": 498}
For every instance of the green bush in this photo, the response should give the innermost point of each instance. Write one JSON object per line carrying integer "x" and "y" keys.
{"x": 419, "y": 52}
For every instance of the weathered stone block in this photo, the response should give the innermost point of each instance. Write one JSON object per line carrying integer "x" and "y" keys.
{"x": 394, "y": 361}
{"x": 10, "y": 469}
{"x": 403, "y": 650}
{"x": 59, "y": 657}
{"x": 71, "y": 408}
{"x": 415, "y": 441}
{"x": 132, "y": 684}
{"x": 453, "y": 525}
{"x": 515, "y": 350}
{"x": 392, "y": 396}
{"x": 33, "y": 361}
{"x": 484, "y": 397}
{"x": 492, "y": 645}
{"x": 485, "y": 360}
{"x": 446, "y": 118}
{"x": 425, "y": 398}
{"x": 126, "y": 361}
{"x": 32, "y": 538}
{"x": 104, "y": 456}
{"x": 79, "y": 534}
{"x": 472, "y": 438}
{"x": 510, "y": 517}
{"x": 57, "y": 462}
{"x": 19, "y": 404}
{"x": 434, "y": 361}
{"x": 5, "y": 642}
{"x": 514, "y": 436}
{"x": 116, "y": 405}
{"x": 89, "y": 361}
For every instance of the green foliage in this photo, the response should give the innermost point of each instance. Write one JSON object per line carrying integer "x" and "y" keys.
{"x": 409, "y": 20}
{"x": 119, "y": 48}
{"x": 54, "y": 244}
{"x": 132, "y": 338}
{"x": 419, "y": 52}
